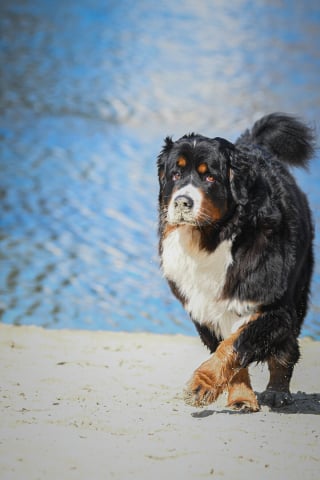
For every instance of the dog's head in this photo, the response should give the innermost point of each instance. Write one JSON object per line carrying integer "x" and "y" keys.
{"x": 201, "y": 180}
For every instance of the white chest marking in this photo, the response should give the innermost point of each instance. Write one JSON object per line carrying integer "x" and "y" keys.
{"x": 200, "y": 277}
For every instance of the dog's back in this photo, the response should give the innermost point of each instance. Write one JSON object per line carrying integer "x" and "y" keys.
{"x": 290, "y": 141}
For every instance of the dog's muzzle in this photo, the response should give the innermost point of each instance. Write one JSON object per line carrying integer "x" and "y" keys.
{"x": 185, "y": 205}
{"x": 183, "y": 209}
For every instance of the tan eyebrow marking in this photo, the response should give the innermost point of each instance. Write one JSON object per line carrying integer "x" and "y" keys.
{"x": 202, "y": 168}
{"x": 182, "y": 162}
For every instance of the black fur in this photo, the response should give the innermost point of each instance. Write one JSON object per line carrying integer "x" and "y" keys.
{"x": 268, "y": 218}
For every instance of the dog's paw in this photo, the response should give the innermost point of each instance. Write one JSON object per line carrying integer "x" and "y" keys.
{"x": 202, "y": 389}
{"x": 242, "y": 398}
{"x": 244, "y": 405}
{"x": 275, "y": 399}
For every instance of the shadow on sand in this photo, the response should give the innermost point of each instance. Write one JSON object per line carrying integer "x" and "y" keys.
{"x": 303, "y": 403}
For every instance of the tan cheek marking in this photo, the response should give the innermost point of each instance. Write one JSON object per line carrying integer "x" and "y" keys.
{"x": 202, "y": 168}
{"x": 182, "y": 162}
{"x": 208, "y": 209}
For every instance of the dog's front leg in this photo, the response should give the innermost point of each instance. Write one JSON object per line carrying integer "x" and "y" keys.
{"x": 214, "y": 375}
{"x": 222, "y": 371}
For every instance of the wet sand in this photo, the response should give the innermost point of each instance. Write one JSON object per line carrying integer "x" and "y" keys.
{"x": 103, "y": 405}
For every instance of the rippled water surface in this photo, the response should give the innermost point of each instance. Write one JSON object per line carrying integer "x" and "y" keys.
{"x": 88, "y": 91}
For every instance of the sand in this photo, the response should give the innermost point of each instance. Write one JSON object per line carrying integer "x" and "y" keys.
{"x": 104, "y": 405}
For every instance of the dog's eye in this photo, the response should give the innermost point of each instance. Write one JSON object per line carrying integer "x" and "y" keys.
{"x": 210, "y": 179}
{"x": 176, "y": 176}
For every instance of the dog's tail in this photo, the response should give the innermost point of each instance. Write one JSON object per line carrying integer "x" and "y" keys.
{"x": 284, "y": 136}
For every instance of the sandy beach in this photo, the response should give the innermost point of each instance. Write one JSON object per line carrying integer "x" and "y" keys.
{"x": 103, "y": 405}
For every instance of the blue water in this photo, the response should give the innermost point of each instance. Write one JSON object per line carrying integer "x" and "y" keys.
{"x": 89, "y": 89}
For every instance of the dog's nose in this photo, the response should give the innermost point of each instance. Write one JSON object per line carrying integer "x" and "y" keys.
{"x": 183, "y": 202}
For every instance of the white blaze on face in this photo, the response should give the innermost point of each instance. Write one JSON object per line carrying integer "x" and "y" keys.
{"x": 188, "y": 191}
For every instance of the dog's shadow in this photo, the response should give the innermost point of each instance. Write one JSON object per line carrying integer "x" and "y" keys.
{"x": 303, "y": 403}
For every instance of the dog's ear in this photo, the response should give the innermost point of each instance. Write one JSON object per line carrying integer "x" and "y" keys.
{"x": 163, "y": 156}
{"x": 242, "y": 175}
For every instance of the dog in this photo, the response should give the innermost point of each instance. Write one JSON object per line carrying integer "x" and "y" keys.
{"x": 236, "y": 247}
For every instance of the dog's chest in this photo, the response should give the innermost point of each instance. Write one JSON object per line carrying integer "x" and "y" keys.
{"x": 200, "y": 278}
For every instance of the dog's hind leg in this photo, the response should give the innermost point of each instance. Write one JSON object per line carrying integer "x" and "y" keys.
{"x": 271, "y": 338}
{"x": 277, "y": 393}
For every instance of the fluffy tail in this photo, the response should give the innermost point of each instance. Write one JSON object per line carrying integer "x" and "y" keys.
{"x": 283, "y": 136}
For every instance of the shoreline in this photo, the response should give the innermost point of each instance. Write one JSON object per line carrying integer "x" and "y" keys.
{"x": 76, "y": 404}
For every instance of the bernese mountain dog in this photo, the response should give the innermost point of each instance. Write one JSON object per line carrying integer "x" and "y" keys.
{"x": 235, "y": 245}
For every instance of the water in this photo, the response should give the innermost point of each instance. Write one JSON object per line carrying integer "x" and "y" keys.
{"x": 88, "y": 91}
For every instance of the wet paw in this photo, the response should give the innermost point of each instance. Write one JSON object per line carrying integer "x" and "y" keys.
{"x": 275, "y": 399}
